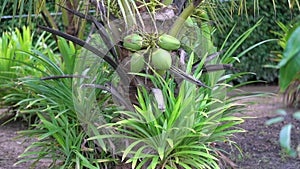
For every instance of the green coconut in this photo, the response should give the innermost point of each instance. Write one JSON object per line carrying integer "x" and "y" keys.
{"x": 133, "y": 42}
{"x": 168, "y": 42}
{"x": 161, "y": 59}
{"x": 137, "y": 61}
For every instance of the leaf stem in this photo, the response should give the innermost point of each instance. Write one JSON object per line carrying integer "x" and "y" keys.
{"x": 188, "y": 11}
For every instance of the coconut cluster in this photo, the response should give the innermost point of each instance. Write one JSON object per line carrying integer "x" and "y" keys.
{"x": 160, "y": 56}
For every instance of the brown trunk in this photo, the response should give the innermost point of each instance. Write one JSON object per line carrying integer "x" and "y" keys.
{"x": 71, "y": 27}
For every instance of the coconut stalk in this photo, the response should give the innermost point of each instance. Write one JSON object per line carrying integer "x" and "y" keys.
{"x": 179, "y": 22}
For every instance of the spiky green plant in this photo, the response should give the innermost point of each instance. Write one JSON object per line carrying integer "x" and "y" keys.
{"x": 46, "y": 98}
{"x": 37, "y": 65}
{"x": 177, "y": 136}
{"x": 180, "y": 133}
{"x": 11, "y": 46}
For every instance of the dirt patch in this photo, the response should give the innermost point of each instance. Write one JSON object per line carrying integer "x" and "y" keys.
{"x": 11, "y": 148}
{"x": 260, "y": 145}
{"x": 261, "y": 148}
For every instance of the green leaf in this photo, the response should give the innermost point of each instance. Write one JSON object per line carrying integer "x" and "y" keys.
{"x": 289, "y": 72}
{"x": 68, "y": 54}
{"x": 154, "y": 163}
{"x": 274, "y": 120}
{"x": 4, "y": 3}
{"x": 161, "y": 152}
{"x": 254, "y": 47}
{"x": 296, "y": 115}
{"x": 237, "y": 43}
{"x": 137, "y": 155}
{"x": 84, "y": 161}
{"x": 281, "y": 112}
{"x": 292, "y": 47}
{"x": 285, "y": 137}
{"x": 197, "y": 153}
{"x": 184, "y": 165}
{"x": 170, "y": 142}
{"x": 289, "y": 64}
{"x": 129, "y": 148}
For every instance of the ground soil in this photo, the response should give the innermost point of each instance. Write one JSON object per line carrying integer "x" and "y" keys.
{"x": 11, "y": 148}
{"x": 260, "y": 145}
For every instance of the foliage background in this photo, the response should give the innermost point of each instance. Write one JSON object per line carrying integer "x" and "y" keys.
{"x": 254, "y": 60}
{"x": 262, "y": 55}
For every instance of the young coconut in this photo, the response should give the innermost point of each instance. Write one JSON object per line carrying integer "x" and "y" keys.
{"x": 137, "y": 61}
{"x": 161, "y": 59}
{"x": 168, "y": 42}
{"x": 133, "y": 42}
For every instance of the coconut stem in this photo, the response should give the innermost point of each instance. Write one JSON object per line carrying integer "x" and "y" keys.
{"x": 188, "y": 11}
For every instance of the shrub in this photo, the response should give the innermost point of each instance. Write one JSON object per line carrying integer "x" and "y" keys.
{"x": 47, "y": 96}
{"x": 255, "y": 60}
{"x": 177, "y": 136}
